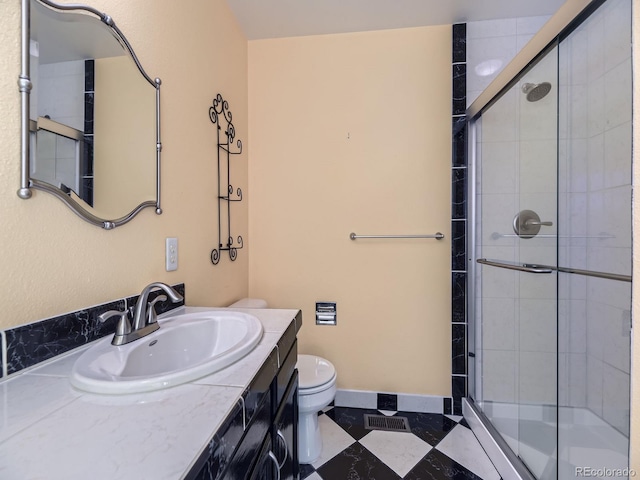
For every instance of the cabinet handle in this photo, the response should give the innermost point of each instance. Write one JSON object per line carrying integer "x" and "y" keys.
{"x": 286, "y": 447}
{"x": 273, "y": 457}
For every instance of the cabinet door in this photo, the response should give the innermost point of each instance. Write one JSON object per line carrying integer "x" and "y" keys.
{"x": 285, "y": 432}
{"x": 266, "y": 467}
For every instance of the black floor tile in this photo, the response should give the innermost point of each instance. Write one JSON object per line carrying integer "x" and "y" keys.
{"x": 306, "y": 470}
{"x": 437, "y": 466}
{"x": 430, "y": 427}
{"x": 351, "y": 419}
{"x": 356, "y": 463}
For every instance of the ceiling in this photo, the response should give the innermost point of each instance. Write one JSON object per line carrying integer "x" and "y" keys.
{"x": 288, "y": 18}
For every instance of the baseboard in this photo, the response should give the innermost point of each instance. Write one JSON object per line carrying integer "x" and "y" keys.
{"x": 406, "y": 402}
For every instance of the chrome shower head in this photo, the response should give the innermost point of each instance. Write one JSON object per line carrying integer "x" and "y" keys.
{"x": 536, "y": 91}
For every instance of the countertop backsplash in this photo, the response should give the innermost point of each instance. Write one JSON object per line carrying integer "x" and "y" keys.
{"x": 27, "y": 345}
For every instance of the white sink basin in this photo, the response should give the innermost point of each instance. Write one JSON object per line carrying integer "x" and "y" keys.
{"x": 186, "y": 347}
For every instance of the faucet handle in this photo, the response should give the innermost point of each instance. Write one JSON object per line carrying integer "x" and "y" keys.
{"x": 152, "y": 315}
{"x": 124, "y": 326}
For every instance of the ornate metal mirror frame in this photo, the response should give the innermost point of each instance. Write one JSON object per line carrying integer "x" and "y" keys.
{"x": 25, "y": 85}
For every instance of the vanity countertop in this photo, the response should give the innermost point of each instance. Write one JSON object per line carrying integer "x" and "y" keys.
{"x": 49, "y": 430}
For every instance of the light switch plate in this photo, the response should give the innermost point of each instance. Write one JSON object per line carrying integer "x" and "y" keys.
{"x": 171, "y": 254}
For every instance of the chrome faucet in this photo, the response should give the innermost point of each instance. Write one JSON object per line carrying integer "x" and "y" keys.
{"x": 145, "y": 318}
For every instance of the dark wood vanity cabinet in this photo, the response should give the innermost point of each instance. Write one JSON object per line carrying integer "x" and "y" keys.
{"x": 259, "y": 439}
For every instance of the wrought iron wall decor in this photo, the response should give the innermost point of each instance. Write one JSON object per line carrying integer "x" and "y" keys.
{"x": 219, "y": 112}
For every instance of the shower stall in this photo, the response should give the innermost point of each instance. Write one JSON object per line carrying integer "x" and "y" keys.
{"x": 550, "y": 257}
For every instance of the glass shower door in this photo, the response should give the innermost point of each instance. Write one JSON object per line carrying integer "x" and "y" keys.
{"x": 516, "y": 243}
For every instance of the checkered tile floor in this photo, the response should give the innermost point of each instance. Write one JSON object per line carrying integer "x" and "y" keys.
{"x": 439, "y": 447}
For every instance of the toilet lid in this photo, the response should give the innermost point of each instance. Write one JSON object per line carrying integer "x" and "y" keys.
{"x": 314, "y": 371}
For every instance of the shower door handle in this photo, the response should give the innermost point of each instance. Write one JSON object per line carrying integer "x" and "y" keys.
{"x": 521, "y": 267}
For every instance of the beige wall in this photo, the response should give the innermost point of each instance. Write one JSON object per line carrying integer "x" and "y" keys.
{"x": 353, "y": 133}
{"x": 53, "y": 261}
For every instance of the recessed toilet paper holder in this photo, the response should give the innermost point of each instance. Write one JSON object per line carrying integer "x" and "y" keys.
{"x": 326, "y": 313}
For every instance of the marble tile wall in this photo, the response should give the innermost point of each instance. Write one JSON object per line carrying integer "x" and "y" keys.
{"x": 28, "y": 345}
{"x": 458, "y": 220}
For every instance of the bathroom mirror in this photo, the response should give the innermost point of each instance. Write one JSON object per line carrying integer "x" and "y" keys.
{"x": 90, "y": 115}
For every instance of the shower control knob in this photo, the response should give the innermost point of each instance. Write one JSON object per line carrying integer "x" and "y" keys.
{"x": 527, "y": 223}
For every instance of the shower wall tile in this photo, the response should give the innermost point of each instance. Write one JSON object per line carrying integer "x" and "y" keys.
{"x": 458, "y": 390}
{"x": 537, "y": 379}
{"x": 499, "y": 375}
{"x": 459, "y": 297}
{"x": 459, "y": 193}
{"x": 88, "y": 112}
{"x": 576, "y": 384}
{"x": 459, "y": 50}
{"x": 458, "y": 219}
{"x": 89, "y": 75}
{"x": 617, "y": 32}
{"x": 459, "y": 143}
{"x": 459, "y": 348}
{"x": 459, "y": 88}
{"x": 615, "y": 399}
{"x": 617, "y": 85}
{"x": 498, "y": 326}
{"x": 595, "y": 385}
{"x": 617, "y": 152}
{"x": 537, "y": 320}
{"x": 30, "y": 344}
{"x": 458, "y": 245}
{"x": 499, "y": 167}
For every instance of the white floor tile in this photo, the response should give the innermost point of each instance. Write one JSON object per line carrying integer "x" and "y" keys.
{"x": 400, "y": 451}
{"x": 334, "y": 440}
{"x": 313, "y": 476}
{"x": 461, "y": 445}
{"x": 388, "y": 413}
{"x": 455, "y": 418}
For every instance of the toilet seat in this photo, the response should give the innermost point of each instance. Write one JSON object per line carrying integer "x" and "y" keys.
{"x": 316, "y": 374}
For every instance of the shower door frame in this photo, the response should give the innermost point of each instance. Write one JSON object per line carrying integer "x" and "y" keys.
{"x": 507, "y": 462}
{"x": 567, "y": 19}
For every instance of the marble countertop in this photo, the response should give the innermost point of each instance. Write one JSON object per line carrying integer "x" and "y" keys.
{"x": 49, "y": 430}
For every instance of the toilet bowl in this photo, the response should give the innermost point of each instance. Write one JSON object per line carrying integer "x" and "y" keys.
{"x": 316, "y": 390}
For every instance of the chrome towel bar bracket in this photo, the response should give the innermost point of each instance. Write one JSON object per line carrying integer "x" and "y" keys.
{"x": 437, "y": 236}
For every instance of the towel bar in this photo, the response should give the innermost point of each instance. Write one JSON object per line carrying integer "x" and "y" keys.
{"x": 437, "y": 236}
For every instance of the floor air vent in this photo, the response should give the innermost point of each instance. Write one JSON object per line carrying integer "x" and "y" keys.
{"x": 382, "y": 422}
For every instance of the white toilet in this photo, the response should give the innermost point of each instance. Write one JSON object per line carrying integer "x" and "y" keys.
{"x": 316, "y": 390}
